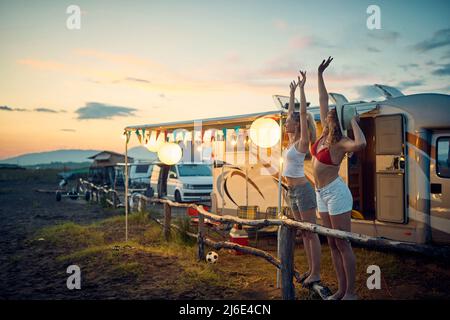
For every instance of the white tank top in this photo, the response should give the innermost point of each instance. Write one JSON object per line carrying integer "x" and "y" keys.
{"x": 293, "y": 163}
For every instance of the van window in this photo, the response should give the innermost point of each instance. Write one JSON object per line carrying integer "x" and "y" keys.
{"x": 173, "y": 172}
{"x": 142, "y": 168}
{"x": 443, "y": 157}
{"x": 192, "y": 170}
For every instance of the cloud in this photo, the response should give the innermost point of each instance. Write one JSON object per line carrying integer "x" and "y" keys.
{"x": 319, "y": 42}
{"x": 280, "y": 24}
{"x": 406, "y": 67}
{"x": 6, "y": 108}
{"x": 439, "y": 39}
{"x": 68, "y": 130}
{"x": 385, "y": 36}
{"x": 446, "y": 55}
{"x": 299, "y": 42}
{"x": 409, "y": 84}
{"x": 126, "y": 79}
{"x": 96, "y": 110}
{"x": 373, "y": 49}
{"x": 45, "y": 110}
{"x": 444, "y": 70}
{"x": 137, "y": 80}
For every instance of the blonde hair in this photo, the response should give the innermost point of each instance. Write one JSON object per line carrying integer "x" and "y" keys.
{"x": 311, "y": 125}
{"x": 311, "y": 128}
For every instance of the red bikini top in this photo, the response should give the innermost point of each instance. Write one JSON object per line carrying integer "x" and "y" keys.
{"x": 323, "y": 155}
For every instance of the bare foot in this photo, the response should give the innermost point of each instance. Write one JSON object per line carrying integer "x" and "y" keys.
{"x": 350, "y": 297}
{"x": 337, "y": 296}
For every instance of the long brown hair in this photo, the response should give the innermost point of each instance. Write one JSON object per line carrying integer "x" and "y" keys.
{"x": 332, "y": 130}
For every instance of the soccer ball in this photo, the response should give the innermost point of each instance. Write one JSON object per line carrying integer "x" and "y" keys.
{"x": 212, "y": 257}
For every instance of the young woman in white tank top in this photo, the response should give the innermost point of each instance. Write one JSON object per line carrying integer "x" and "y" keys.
{"x": 301, "y": 195}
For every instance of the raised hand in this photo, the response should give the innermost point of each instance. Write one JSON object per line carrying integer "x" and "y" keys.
{"x": 325, "y": 64}
{"x": 293, "y": 86}
{"x": 302, "y": 81}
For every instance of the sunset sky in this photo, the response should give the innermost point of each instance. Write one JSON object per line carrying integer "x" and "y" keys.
{"x": 135, "y": 62}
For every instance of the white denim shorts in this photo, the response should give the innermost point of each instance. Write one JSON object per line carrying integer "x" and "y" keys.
{"x": 334, "y": 198}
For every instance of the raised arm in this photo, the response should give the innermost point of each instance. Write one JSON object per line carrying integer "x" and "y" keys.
{"x": 292, "y": 86}
{"x": 359, "y": 143}
{"x": 323, "y": 94}
{"x": 304, "y": 136}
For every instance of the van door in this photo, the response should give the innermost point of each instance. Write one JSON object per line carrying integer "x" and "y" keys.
{"x": 440, "y": 188}
{"x": 390, "y": 168}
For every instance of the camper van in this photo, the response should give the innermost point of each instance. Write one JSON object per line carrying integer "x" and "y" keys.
{"x": 140, "y": 175}
{"x": 183, "y": 182}
{"x": 400, "y": 182}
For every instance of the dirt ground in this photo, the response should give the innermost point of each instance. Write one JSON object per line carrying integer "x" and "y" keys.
{"x": 40, "y": 238}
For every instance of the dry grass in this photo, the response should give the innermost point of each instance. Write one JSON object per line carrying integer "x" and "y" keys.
{"x": 148, "y": 261}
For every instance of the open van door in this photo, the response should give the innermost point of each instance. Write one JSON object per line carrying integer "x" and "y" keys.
{"x": 390, "y": 168}
{"x": 440, "y": 188}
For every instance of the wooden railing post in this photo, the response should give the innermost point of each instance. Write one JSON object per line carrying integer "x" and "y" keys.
{"x": 287, "y": 240}
{"x": 200, "y": 238}
{"x": 167, "y": 218}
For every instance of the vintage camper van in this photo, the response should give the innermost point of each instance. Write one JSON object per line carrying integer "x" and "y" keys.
{"x": 400, "y": 182}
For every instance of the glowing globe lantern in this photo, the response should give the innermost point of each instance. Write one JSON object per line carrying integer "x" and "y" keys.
{"x": 154, "y": 144}
{"x": 169, "y": 153}
{"x": 265, "y": 132}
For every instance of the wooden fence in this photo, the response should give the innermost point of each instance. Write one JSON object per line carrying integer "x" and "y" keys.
{"x": 286, "y": 240}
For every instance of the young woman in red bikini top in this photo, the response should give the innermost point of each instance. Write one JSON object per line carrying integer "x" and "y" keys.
{"x": 334, "y": 199}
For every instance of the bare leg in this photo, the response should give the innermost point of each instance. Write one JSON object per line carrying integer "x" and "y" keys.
{"x": 306, "y": 245}
{"x": 313, "y": 243}
{"x": 343, "y": 222}
{"x": 337, "y": 260}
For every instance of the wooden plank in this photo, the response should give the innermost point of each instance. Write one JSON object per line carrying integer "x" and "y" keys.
{"x": 287, "y": 239}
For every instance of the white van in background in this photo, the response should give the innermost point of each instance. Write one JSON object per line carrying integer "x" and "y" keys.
{"x": 185, "y": 182}
{"x": 140, "y": 175}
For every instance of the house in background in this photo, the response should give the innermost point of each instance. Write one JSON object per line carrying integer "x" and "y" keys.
{"x": 103, "y": 168}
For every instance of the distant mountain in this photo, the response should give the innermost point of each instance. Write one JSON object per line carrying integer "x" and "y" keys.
{"x": 141, "y": 153}
{"x": 30, "y": 159}
{"x": 73, "y": 156}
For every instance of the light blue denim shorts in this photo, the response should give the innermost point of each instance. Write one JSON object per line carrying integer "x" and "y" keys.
{"x": 334, "y": 198}
{"x": 301, "y": 197}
